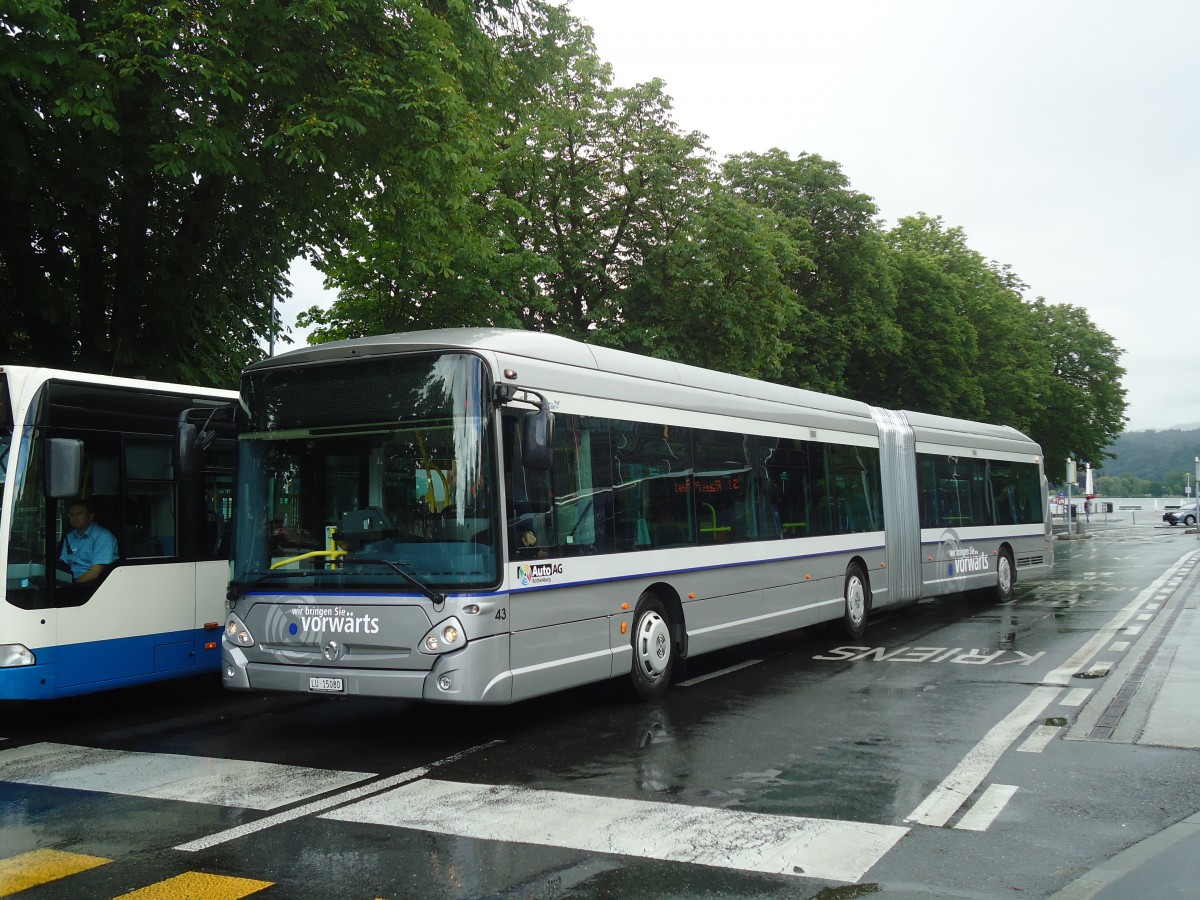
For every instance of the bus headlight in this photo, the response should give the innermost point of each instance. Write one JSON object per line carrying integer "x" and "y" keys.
{"x": 12, "y": 655}
{"x": 237, "y": 633}
{"x": 443, "y": 637}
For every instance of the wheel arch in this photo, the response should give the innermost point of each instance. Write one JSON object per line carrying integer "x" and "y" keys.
{"x": 866, "y": 574}
{"x": 671, "y": 601}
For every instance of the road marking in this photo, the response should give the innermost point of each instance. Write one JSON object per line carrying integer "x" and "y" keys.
{"x": 1119, "y": 646}
{"x": 1037, "y": 741}
{"x": 980, "y": 816}
{"x": 27, "y": 870}
{"x": 699, "y": 678}
{"x": 1145, "y": 617}
{"x": 1075, "y": 697}
{"x": 1133, "y": 629}
{"x": 200, "y": 886}
{"x": 170, "y": 776}
{"x": 724, "y": 838}
{"x": 960, "y": 784}
{"x": 318, "y": 806}
{"x": 1064, "y": 673}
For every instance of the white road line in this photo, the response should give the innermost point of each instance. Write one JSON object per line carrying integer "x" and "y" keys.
{"x": 731, "y": 669}
{"x": 1145, "y": 617}
{"x": 1037, "y": 741}
{"x": 1075, "y": 697}
{"x": 1064, "y": 673}
{"x": 1133, "y": 629}
{"x": 1119, "y": 646}
{"x": 960, "y": 784}
{"x": 318, "y": 806}
{"x": 170, "y": 776}
{"x": 980, "y": 816}
{"x": 724, "y": 838}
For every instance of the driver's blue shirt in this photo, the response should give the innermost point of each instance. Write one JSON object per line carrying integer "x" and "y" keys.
{"x": 96, "y": 546}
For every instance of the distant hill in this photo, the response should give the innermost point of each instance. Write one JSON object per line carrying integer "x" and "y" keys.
{"x": 1155, "y": 455}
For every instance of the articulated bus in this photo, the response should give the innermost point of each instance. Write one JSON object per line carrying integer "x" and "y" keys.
{"x": 486, "y": 515}
{"x": 151, "y": 610}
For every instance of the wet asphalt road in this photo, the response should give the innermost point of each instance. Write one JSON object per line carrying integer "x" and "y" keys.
{"x": 833, "y": 750}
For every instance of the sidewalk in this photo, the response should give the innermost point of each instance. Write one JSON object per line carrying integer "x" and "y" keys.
{"x": 1163, "y": 712}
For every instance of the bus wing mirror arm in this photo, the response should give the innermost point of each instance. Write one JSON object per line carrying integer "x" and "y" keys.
{"x": 191, "y": 440}
{"x": 537, "y": 450}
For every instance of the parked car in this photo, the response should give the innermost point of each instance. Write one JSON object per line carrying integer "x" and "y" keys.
{"x": 1188, "y": 514}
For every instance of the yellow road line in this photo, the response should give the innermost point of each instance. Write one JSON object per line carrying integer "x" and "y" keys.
{"x": 19, "y": 873}
{"x": 198, "y": 886}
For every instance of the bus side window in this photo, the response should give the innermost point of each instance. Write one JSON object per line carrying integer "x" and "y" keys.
{"x": 150, "y": 508}
{"x": 530, "y": 500}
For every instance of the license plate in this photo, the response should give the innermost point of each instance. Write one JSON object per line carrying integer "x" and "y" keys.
{"x": 333, "y": 685}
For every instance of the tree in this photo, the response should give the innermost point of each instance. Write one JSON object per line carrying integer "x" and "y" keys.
{"x": 715, "y": 294}
{"x": 1082, "y": 409}
{"x": 843, "y": 334}
{"x": 935, "y": 369}
{"x": 164, "y": 166}
{"x": 594, "y": 216}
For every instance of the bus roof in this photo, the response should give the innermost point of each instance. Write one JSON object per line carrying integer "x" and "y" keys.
{"x": 39, "y": 375}
{"x": 553, "y": 362}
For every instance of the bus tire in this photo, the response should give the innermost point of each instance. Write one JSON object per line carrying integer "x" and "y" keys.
{"x": 653, "y": 650}
{"x": 857, "y": 593}
{"x": 1005, "y": 575}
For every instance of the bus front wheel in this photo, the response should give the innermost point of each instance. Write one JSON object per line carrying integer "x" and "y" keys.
{"x": 1004, "y": 575}
{"x": 858, "y": 601}
{"x": 653, "y": 650}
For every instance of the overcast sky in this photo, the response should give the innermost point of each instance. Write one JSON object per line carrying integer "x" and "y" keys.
{"x": 1063, "y": 137}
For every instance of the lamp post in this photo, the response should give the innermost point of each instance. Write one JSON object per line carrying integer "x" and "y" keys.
{"x": 1071, "y": 476}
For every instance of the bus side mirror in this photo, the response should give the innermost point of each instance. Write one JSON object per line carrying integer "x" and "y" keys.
{"x": 64, "y": 468}
{"x": 537, "y": 451}
{"x": 186, "y": 442}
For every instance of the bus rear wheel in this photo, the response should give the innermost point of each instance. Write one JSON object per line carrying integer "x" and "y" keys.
{"x": 653, "y": 650}
{"x": 858, "y": 601}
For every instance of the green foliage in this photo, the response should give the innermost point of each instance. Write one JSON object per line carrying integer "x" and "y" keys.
{"x": 1081, "y": 408}
{"x": 842, "y": 331}
{"x": 165, "y": 165}
{"x": 470, "y": 162}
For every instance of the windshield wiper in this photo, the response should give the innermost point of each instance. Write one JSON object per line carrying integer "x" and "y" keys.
{"x": 438, "y": 599}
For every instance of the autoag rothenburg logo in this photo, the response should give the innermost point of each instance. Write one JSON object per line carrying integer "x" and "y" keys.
{"x": 538, "y": 573}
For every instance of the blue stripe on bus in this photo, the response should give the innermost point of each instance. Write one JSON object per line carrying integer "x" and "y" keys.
{"x": 120, "y": 662}
{"x": 964, "y": 541}
{"x": 550, "y": 587}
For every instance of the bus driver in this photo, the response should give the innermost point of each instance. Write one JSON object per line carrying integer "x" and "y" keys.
{"x": 90, "y": 547}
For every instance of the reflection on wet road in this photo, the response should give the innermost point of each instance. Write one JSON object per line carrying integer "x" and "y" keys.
{"x": 915, "y": 761}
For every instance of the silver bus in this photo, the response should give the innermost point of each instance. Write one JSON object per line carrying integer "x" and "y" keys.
{"x": 487, "y": 515}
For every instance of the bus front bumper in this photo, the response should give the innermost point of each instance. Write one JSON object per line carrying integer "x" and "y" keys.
{"x": 478, "y": 673}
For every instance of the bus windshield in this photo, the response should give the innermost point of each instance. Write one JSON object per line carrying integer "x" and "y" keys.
{"x": 374, "y": 475}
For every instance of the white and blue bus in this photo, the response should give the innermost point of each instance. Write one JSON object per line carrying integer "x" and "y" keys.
{"x": 157, "y": 608}
{"x": 486, "y": 515}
